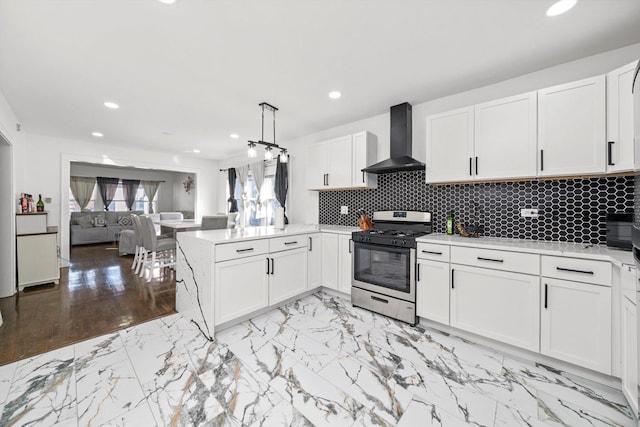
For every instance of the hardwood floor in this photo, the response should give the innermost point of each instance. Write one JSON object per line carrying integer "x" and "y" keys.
{"x": 97, "y": 294}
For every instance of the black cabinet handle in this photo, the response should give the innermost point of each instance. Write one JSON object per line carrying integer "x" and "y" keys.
{"x": 243, "y": 250}
{"x": 571, "y": 270}
{"x": 470, "y": 163}
{"x": 363, "y": 177}
{"x": 267, "y": 265}
{"x": 432, "y": 252}
{"x": 546, "y": 292}
{"x": 350, "y": 245}
{"x": 291, "y": 243}
{"x": 380, "y": 299}
{"x": 541, "y": 160}
{"x": 610, "y": 153}
{"x": 490, "y": 259}
{"x": 272, "y": 266}
{"x": 476, "y": 165}
{"x": 310, "y": 244}
{"x": 452, "y": 272}
{"x": 327, "y": 179}
{"x": 417, "y": 272}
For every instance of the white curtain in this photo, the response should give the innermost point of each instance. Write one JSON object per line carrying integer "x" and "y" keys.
{"x": 243, "y": 177}
{"x": 150, "y": 190}
{"x": 82, "y": 190}
{"x": 257, "y": 171}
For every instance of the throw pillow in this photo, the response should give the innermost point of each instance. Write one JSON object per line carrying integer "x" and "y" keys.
{"x": 84, "y": 221}
{"x": 124, "y": 220}
{"x": 99, "y": 221}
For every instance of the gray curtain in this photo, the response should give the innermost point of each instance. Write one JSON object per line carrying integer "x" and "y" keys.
{"x": 257, "y": 171}
{"x": 129, "y": 190}
{"x": 150, "y": 190}
{"x": 82, "y": 190}
{"x": 233, "y": 203}
{"x": 282, "y": 185}
{"x": 107, "y": 188}
{"x": 243, "y": 175}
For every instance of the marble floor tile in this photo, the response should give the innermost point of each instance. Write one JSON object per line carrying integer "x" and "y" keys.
{"x": 107, "y": 391}
{"x": 43, "y": 391}
{"x": 317, "y": 361}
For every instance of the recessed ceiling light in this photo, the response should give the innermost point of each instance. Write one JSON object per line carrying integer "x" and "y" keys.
{"x": 234, "y": 136}
{"x": 560, "y": 7}
{"x": 111, "y": 105}
{"x": 195, "y": 150}
{"x": 97, "y": 134}
{"x": 335, "y": 94}
{"x": 167, "y": 1}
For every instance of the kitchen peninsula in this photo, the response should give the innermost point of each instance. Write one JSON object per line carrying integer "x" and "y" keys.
{"x": 226, "y": 276}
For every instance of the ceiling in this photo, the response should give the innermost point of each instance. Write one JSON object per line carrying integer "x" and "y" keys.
{"x": 187, "y": 75}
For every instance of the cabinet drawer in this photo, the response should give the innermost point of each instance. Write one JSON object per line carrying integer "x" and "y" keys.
{"x": 277, "y": 244}
{"x": 497, "y": 260}
{"x": 227, "y": 251}
{"x": 578, "y": 270}
{"x": 433, "y": 252}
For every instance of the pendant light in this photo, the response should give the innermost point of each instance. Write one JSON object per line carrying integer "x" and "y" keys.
{"x": 269, "y": 146}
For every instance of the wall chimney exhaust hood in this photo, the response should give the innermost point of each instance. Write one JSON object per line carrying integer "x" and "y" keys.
{"x": 401, "y": 141}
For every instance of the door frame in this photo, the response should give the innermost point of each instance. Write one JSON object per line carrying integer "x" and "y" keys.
{"x": 8, "y": 204}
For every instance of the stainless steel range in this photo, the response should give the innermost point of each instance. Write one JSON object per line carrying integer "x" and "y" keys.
{"x": 384, "y": 262}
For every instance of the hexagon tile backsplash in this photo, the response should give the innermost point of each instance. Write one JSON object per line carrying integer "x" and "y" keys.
{"x": 570, "y": 210}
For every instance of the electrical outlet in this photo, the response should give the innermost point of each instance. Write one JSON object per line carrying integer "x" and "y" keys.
{"x": 529, "y": 213}
{"x": 344, "y": 210}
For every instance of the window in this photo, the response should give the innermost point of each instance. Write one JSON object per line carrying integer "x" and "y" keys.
{"x": 256, "y": 216}
{"x": 74, "y": 207}
{"x": 118, "y": 203}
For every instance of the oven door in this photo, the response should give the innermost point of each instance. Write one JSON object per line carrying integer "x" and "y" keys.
{"x": 385, "y": 269}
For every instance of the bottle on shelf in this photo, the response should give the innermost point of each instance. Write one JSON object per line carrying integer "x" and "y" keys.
{"x": 450, "y": 223}
{"x": 19, "y": 206}
{"x": 32, "y": 204}
{"x": 25, "y": 203}
{"x": 40, "y": 204}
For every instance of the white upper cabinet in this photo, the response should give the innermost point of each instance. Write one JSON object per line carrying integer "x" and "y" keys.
{"x": 337, "y": 163}
{"x": 620, "y": 152}
{"x": 505, "y": 138}
{"x": 450, "y": 146}
{"x": 365, "y": 153}
{"x": 571, "y": 128}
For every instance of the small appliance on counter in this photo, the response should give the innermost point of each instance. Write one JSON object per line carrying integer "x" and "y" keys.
{"x": 619, "y": 227}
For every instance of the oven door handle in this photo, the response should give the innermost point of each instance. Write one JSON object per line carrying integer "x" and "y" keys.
{"x": 385, "y": 248}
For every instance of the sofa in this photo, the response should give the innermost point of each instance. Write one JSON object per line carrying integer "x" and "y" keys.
{"x": 86, "y": 229}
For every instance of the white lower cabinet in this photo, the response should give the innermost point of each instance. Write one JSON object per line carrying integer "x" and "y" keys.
{"x": 432, "y": 290}
{"x": 345, "y": 269}
{"x": 576, "y": 323}
{"x": 287, "y": 275}
{"x": 242, "y": 286}
{"x": 330, "y": 260}
{"x": 496, "y": 304}
{"x": 314, "y": 261}
{"x": 629, "y": 352}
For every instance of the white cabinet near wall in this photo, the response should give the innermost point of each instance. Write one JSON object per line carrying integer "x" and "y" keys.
{"x": 241, "y": 287}
{"x": 314, "y": 261}
{"x": 432, "y": 282}
{"x": 364, "y": 153}
{"x": 505, "y": 140}
{"x": 345, "y": 265}
{"x": 450, "y": 146}
{"x": 287, "y": 274}
{"x": 496, "y": 304}
{"x": 330, "y": 260}
{"x": 620, "y": 147}
{"x": 317, "y": 166}
{"x": 630, "y": 352}
{"x": 37, "y": 259}
{"x": 571, "y": 128}
{"x": 576, "y": 323}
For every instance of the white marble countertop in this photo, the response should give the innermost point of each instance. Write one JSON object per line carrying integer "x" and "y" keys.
{"x": 578, "y": 250}
{"x": 338, "y": 229}
{"x": 249, "y": 233}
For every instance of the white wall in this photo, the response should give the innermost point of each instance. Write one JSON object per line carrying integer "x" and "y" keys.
{"x": 49, "y": 160}
{"x": 165, "y": 191}
{"x": 10, "y": 181}
{"x": 303, "y": 204}
{"x": 183, "y": 201}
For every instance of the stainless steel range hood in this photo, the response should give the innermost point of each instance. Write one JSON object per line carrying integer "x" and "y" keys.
{"x": 401, "y": 141}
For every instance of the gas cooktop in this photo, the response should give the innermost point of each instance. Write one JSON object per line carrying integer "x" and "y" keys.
{"x": 395, "y": 228}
